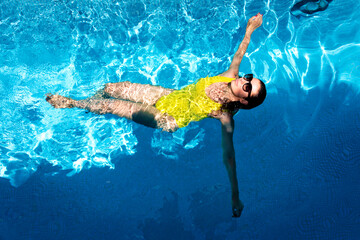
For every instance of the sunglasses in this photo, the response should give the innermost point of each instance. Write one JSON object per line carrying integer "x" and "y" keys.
{"x": 247, "y": 87}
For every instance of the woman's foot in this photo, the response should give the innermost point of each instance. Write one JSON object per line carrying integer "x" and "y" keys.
{"x": 58, "y": 101}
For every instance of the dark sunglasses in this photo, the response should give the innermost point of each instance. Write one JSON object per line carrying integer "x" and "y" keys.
{"x": 247, "y": 87}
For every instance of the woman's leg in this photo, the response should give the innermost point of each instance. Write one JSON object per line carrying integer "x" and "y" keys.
{"x": 140, "y": 113}
{"x": 135, "y": 92}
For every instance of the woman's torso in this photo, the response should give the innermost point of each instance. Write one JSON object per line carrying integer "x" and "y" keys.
{"x": 191, "y": 102}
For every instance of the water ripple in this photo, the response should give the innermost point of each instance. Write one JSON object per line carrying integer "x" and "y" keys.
{"x": 75, "y": 47}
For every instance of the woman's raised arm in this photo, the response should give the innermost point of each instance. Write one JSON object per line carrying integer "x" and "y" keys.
{"x": 253, "y": 23}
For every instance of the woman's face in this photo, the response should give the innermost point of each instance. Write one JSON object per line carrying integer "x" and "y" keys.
{"x": 242, "y": 88}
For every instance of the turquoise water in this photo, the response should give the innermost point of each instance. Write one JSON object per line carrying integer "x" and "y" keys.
{"x": 69, "y": 174}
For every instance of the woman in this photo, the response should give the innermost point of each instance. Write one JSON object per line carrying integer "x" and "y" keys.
{"x": 218, "y": 97}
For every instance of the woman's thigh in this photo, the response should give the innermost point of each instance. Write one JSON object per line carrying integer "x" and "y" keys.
{"x": 152, "y": 117}
{"x": 135, "y": 92}
{"x": 144, "y": 114}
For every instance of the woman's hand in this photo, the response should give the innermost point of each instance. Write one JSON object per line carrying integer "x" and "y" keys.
{"x": 237, "y": 207}
{"x": 253, "y": 23}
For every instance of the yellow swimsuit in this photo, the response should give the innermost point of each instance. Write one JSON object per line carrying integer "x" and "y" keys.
{"x": 191, "y": 102}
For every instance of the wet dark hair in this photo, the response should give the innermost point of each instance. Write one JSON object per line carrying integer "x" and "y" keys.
{"x": 252, "y": 102}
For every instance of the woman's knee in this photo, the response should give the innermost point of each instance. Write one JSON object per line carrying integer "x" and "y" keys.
{"x": 115, "y": 87}
{"x": 108, "y": 88}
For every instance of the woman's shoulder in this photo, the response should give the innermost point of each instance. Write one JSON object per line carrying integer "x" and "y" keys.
{"x": 218, "y": 79}
{"x": 228, "y": 74}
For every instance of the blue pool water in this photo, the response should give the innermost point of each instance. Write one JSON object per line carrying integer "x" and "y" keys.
{"x": 68, "y": 174}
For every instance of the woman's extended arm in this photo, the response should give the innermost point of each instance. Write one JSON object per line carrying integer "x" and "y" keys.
{"x": 252, "y": 24}
{"x": 227, "y": 130}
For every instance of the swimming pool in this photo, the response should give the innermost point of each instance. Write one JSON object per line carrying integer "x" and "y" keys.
{"x": 69, "y": 174}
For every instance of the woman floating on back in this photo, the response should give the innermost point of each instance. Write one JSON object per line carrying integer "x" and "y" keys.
{"x": 218, "y": 97}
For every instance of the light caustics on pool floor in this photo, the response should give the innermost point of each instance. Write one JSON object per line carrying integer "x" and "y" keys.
{"x": 74, "y": 47}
